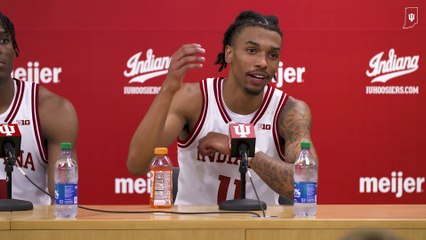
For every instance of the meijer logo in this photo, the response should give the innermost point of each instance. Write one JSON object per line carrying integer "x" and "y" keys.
{"x": 37, "y": 74}
{"x": 130, "y": 186}
{"x": 288, "y": 75}
{"x": 396, "y": 184}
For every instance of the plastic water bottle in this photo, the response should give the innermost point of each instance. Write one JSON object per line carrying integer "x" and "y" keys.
{"x": 305, "y": 183}
{"x": 66, "y": 177}
{"x": 162, "y": 179}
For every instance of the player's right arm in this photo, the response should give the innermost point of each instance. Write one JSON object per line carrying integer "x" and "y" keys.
{"x": 164, "y": 120}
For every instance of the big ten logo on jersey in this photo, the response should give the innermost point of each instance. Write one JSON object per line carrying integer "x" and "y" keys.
{"x": 263, "y": 126}
{"x": 23, "y": 122}
{"x": 37, "y": 74}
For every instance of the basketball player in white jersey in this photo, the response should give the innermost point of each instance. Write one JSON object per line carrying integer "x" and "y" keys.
{"x": 45, "y": 121}
{"x": 198, "y": 114}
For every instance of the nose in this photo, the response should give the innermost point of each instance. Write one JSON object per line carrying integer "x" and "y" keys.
{"x": 261, "y": 61}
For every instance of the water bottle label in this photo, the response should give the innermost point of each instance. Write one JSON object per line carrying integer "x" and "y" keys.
{"x": 305, "y": 192}
{"x": 66, "y": 193}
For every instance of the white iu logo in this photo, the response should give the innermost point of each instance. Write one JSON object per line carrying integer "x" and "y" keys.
{"x": 242, "y": 130}
{"x": 7, "y": 130}
{"x": 411, "y": 17}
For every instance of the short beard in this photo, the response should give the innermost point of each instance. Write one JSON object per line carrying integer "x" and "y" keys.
{"x": 253, "y": 92}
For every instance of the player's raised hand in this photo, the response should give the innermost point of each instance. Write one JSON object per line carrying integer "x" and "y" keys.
{"x": 185, "y": 58}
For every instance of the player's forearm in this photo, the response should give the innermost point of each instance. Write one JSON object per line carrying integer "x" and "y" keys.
{"x": 148, "y": 134}
{"x": 277, "y": 174}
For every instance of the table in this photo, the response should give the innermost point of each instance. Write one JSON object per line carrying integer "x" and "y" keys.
{"x": 331, "y": 222}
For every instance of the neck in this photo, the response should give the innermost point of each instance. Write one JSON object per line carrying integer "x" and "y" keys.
{"x": 238, "y": 100}
{"x": 6, "y": 94}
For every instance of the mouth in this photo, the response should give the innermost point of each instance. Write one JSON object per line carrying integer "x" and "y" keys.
{"x": 258, "y": 78}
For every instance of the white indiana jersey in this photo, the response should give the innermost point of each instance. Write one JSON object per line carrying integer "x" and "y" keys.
{"x": 213, "y": 179}
{"x": 33, "y": 158}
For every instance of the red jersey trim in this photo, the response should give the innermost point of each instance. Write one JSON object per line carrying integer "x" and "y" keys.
{"x": 279, "y": 141}
{"x": 200, "y": 122}
{"x": 16, "y": 103}
{"x": 264, "y": 105}
{"x": 217, "y": 84}
{"x": 36, "y": 120}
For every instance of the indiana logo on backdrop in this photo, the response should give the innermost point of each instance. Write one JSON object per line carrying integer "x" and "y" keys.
{"x": 382, "y": 70}
{"x": 411, "y": 17}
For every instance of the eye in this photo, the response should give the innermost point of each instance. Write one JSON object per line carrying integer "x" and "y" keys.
{"x": 251, "y": 50}
{"x": 274, "y": 55}
{"x": 4, "y": 40}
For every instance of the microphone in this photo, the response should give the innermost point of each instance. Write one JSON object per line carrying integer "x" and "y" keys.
{"x": 10, "y": 140}
{"x": 242, "y": 139}
{"x": 10, "y": 147}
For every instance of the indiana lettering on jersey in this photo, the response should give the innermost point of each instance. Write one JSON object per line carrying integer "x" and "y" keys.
{"x": 219, "y": 158}
{"x": 25, "y": 160}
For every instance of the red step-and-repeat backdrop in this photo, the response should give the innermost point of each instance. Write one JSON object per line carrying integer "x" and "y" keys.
{"x": 358, "y": 64}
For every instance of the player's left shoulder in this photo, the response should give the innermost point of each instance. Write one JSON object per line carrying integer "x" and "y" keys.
{"x": 51, "y": 103}
{"x": 56, "y": 114}
{"x": 296, "y": 106}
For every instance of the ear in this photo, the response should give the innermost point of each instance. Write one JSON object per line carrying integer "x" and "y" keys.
{"x": 228, "y": 54}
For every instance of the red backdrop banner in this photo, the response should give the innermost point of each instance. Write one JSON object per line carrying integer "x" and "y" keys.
{"x": 358, "y": 64}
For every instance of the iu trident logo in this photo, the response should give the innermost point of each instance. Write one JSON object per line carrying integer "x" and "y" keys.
{"x": 7, "y": 130}
{"x": 242, "y": 129}
{"x": 411, "y": 17}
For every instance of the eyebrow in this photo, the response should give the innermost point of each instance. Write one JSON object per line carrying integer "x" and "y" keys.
{"x": 257, "y": 44}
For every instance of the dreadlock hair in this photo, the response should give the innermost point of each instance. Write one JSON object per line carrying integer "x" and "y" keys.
{"x": 10, "y": 29}
{"x": 246, "y": 19}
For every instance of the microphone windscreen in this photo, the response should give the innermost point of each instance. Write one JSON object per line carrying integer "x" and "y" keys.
{"x": 10, "y": 133}
{"x": 242, "y": 133}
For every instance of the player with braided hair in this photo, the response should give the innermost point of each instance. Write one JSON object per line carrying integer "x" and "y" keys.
{"x": 198, "y": 114}
{"x": 45, "y": 121}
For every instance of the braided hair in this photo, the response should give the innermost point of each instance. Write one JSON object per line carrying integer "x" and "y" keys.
{"x": 246, "y": 19}
{"x": 10, "y": 29}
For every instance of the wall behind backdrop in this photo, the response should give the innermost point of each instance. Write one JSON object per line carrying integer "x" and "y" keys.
{"x": 358, "y": 64}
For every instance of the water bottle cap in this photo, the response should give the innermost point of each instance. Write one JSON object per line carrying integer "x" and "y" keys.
{"x": 66, "y": 145}
{"x": 160, "y": 150}
{"x": 305, "y": 145}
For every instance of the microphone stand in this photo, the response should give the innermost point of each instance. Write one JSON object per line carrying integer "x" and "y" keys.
{"x": 10, "y": 204}
{"x": 243, "y": 204}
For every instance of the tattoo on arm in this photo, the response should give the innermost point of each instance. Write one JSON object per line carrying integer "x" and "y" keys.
{"x": 295, "y": 126}
{"x": 277, "y": 174}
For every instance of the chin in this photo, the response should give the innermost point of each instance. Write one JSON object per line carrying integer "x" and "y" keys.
{"x": 253, "y": 91}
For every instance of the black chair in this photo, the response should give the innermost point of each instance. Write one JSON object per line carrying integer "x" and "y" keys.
{"x": 175, "y": 182}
